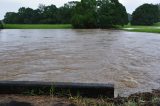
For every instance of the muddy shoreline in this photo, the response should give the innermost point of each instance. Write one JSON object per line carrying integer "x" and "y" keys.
{"x": 138, "y": 99}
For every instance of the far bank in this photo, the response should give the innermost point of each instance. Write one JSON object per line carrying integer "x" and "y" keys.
{"x": 151, "y": 29}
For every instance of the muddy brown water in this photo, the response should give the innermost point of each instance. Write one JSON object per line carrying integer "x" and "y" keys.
{"x": 130, "y": 60}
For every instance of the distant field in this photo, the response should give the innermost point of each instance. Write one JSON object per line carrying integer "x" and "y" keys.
{"x": 37, "y": 26}
{"x": 153, "y": 29}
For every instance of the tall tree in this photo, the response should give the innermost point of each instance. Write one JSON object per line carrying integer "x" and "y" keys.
{"x": 100, "y": 13}
{"x": 111, "y": 13}
{"x": 146, "y": 14}
{"x": 85, "y": 15}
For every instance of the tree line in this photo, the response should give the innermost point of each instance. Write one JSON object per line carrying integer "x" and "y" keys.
{"x": 42, "y": 15}
{"x": 86, "y": 14}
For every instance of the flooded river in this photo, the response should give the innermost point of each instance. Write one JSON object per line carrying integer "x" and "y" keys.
{"x": 130, "y": 60}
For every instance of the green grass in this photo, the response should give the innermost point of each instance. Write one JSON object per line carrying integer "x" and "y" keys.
{"x": 153, "y": 29}
{"x": 37, "y": 26}
{"x": 157, "y": 24}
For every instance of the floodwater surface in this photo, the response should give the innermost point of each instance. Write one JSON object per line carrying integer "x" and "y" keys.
{"x": 130, "y": 60}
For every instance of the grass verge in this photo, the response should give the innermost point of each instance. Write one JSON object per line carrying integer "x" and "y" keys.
{"x": 152, "y": 29}
{"x": 37, "y": 26}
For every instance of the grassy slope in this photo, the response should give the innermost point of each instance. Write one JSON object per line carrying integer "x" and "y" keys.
{"x": 153, "y": 29}
{"x": 37, "y": 26}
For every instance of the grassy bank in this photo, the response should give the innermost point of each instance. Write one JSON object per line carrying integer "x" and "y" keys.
{"x": 152, "y": 29}
{"x": 37, "y": 26}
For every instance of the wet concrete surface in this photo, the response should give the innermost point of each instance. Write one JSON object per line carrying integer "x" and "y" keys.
{"x": 130, "y": 60}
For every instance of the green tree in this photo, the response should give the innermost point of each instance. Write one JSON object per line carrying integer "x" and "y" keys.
{"x": 111, "y": 13}
{"x": 159, "y": 11}
{"x": 1, "y": 25}
{"x": 36, "y": 16}
{"x": 65, "y": 12}
{"x": 146, "y": 14}
{"x": 25, "y": 15}
{"x": 11, "y": 17}
{"x": 28, "y": 16}
{"x": 49, "y": 15}
{"x": 101, "y": 13}
{"x": 85, "y": 15}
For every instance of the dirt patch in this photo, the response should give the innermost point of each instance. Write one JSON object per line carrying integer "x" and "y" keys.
{"x": 21, "y": 100}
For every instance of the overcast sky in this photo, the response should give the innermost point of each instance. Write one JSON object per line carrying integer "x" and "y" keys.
{"x": 14, "y": 5}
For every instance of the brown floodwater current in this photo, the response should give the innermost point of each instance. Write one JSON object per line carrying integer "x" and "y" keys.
{"x": 130, "y": 60}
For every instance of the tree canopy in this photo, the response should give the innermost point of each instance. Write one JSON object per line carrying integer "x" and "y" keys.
{"x": 99, "y": 13}
{"x": 146, "y": 14}
{"x": 85, "y": 15}
{"x": 110, "y": 13}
